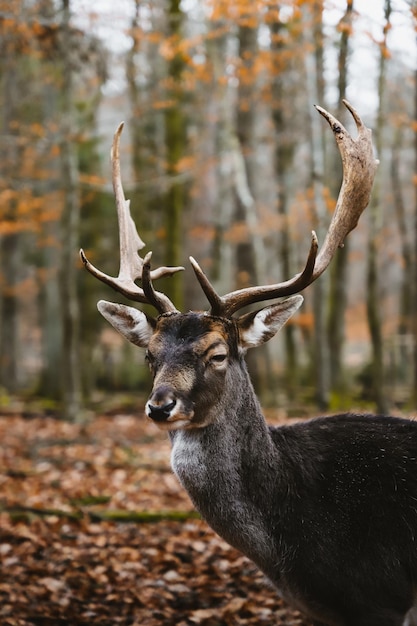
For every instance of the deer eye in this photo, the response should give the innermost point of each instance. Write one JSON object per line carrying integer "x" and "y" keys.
{"x": 218, "y": 358}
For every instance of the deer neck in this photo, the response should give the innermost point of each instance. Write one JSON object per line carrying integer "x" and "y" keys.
{"x": 224, "y": 468}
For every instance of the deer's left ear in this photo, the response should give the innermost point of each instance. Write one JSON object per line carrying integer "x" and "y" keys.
{"x": 257, "y": 327}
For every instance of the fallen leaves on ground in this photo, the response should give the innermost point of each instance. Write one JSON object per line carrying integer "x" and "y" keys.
{"x": 64, "y": 563}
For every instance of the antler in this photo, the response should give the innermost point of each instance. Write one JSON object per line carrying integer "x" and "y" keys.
{"x": 359, "y": 167}
{"x": 132, "y": 266}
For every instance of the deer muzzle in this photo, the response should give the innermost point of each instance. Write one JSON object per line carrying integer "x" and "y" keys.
{"x": 160, "y": 413}
{"x": 168, "y": 409}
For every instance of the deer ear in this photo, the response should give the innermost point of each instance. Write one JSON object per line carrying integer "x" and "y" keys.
{"x": 257, "y": 327}
{"x": 129, "y": 322}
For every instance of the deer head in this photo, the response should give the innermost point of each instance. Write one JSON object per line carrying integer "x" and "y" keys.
{"x": 191, "y": 355}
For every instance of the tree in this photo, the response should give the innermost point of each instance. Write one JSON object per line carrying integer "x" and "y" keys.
{"x": 317, "y": 136}
{"x": 339, "y": 270}
{"x": 413, "y": 11}
{"x": 373, "y": 291}
{"x": 9, "y": 242}
{"x": 283, "y": 96}
{"x": 71, "y": 371}
{"x": 175, "y": 141}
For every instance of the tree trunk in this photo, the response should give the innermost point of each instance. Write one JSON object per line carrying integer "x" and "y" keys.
{"x": 50, "y": 303}
{"x": 283, "y": 161}
{"x": 175, "y": 150}
{"x": 406, "y": 295}
{"x": 338, "y": 271}
{"x": 144, "y": 127}
{"x": 10, "y": 152}
{"x": 415, "y": 248}
{"x": 317, "y": 135}
{"x": 401, "y": 352}
{"x": 71, "y": 371}
{"x": 9, "y": 343}
{"x": 251, "y": 253}
{"x": 243, "y": 152}
{"x": 375, "y": 214}
{"x": 223, "y": 250}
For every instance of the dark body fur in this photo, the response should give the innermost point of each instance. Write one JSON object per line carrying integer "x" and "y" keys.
{"x": 351, "y": 515}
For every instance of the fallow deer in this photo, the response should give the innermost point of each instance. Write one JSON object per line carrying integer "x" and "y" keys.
{"x": 326, "y": 508}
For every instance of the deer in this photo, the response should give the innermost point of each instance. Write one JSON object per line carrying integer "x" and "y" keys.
{"x": 326, "y": 508}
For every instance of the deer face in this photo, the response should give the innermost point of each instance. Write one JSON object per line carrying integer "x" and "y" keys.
{"x": 193, "y": 356}
{"x": 189, "y": 356}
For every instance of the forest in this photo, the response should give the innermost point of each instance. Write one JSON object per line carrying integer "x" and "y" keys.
{"x": 224, "y": 158}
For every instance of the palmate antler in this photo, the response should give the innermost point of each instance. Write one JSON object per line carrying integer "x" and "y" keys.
{"x": 359, "y": 167}
{"x": 132, "y": 266}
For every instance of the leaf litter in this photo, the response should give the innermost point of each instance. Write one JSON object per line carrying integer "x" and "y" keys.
{"x": 96, "y": 530}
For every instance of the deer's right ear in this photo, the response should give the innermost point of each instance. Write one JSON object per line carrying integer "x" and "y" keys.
{"x": 129, "y": 322}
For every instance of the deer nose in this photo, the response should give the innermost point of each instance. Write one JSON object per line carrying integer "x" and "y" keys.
{"x": 160, "y": 411}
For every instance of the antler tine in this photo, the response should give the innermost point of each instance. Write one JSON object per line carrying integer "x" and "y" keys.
{"x": 131, "y": 264}
{"x": 227, "y": 305}
{"x": 212, "y": 296}
{"x": 159, "y": 300}
{"x": 359, "y": 167}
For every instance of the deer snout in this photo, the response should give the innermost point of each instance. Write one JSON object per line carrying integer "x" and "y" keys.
{"x": 164, "y": 407}
{"x": 161, "y": 404}
{"x": 160, "y": 413}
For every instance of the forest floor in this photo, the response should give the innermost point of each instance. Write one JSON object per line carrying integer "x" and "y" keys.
{"x": 95, "y": 529}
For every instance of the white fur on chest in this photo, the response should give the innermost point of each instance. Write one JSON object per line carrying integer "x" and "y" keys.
{"x": 187, "y": 456}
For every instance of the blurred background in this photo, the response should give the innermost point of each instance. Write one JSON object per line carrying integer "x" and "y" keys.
{"x": 224, "y": 158}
